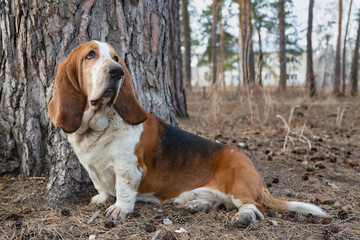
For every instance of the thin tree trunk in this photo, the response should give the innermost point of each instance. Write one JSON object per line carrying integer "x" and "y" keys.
{"x": 344, "y": 52}
{"x": 355, "y": 64}
{"x": 242, "y": 40}
{"x": 39, "y": 35}
{"x": 250, "y": 62}
{"x": 247, "y": 54}
{"x": 175, "y": 74}
{"x": 222, "y": 54}
{"x": 187, "y": 44}
{"x": 325, "y": 77}
{"x": 310, "y": 79}
{"x": 239, "y": 71}
{"x": 260, "y": 60}
{"x": 282, "y": 52}
{"x": 214, "y": 40}
{"x": 337, "y": 58}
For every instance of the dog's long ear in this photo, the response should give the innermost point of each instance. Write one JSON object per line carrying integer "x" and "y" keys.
{"x": 127, "y": 104}
{"x": 67, "y": 104}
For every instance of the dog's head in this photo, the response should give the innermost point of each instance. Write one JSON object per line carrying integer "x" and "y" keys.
{"x": 93, "y": 75}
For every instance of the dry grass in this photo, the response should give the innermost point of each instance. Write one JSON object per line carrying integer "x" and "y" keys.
{"x": 327, "y": 175}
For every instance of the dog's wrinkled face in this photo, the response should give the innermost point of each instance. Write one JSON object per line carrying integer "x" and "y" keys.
{"x": 101, "y": 73}
{"x": 93, "y": 77}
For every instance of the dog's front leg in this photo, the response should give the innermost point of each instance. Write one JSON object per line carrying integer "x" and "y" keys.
{"x": 126, "y": 184}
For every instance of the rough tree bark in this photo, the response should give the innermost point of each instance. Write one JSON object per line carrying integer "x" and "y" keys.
{"x": 213, "y": 43}
{"x": 187, "y": 44}
{"x": 344, "y": 52}
{"x": 355, "y": 64}
{"x": 36, "y": 36}
{"x": 175, "y": 74}
{"x": 282, "y": 52}
{"x": 310, "y": 78}
{"x": 337, "y": 57}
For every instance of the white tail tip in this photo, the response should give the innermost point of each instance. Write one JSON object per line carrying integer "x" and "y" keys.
{"x": 306, "y": 208}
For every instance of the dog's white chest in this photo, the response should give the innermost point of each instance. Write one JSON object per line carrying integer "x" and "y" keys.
{"x": 106, "y": 152}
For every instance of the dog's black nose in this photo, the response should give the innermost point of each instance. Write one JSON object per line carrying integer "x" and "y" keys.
{"x": 116, "y": 72}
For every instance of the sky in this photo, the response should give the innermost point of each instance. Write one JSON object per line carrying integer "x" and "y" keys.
{"x": 324, "y": 11}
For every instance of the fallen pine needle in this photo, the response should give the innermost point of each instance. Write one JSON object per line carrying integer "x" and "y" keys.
{"x": 345, "y": 220}
{"x": 93, "y": 217}
{"x": 157, "y": 233}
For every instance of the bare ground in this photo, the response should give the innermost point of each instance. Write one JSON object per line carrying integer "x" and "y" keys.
{"x": 327, "y": 174}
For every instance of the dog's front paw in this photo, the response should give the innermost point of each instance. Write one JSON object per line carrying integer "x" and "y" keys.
{"x": 115, "y": 212}
{"x": 100, "y": 198}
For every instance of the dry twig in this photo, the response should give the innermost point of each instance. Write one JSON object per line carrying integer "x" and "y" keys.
{"x": 299, "y": 135}
{"x": 339, "y": 116}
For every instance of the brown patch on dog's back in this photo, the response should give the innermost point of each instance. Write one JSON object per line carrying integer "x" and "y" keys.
{"x": 171, "y": 157}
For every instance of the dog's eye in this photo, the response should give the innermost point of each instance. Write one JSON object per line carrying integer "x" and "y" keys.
{"x": 90, "y": 55}
{"x": 116, "y": 59}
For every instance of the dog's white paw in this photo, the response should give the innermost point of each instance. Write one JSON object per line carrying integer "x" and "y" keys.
{"x": 114, "y": 212}
{"x": 100, "y": 198}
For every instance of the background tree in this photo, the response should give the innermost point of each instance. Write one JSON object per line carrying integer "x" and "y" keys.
{"x": 282, "y": 45}
{"x": 222, "y": 53}
{"x": 344, "y": 52}
{"x": 36, "y": 37}
{"x": 186, "y": 30}
{"x": 310, "y": 79}
{"x": 247, "y": 54}
{"x": 326, "y": 64}
{"x": 355, "y": 63}
{"x": 229, "y": 41}
{"x": 337, "y": 74}
{"x": 214, "y": 41}
{"x": 175, "y": 70}
{"x": 260, "y": 21}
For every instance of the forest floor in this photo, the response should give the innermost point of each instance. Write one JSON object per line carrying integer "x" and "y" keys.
{"x": 326, "y": 174}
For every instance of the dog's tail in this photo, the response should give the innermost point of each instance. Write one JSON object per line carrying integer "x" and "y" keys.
{"x": 303, "y": 208}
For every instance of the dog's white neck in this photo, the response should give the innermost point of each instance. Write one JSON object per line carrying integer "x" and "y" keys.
{"x": 106, "y": 147}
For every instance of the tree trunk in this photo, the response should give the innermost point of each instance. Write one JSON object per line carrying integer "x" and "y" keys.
{"x": 175, "y": 74}
{"x": 222, "y": 53}
{"x": 310, "y": 79}
{"x": 282, "y": 52}
{"x": 242, "y": 40}
{"x": 247, "y": 54}
{"x": 355, "y": 64}
{"x": 249, "y": 50}
{"x": 187, "y": 44}
{"x": 260, "y": 60}
{"x": 344, "y": 52}
{"x": 325, "y": 77}
{"x": 36, "y": 36}
{"x": 214, "y": 40}
{"x": 337, "y": 58}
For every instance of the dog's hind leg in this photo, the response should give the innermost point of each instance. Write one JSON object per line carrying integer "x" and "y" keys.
{"x": 201, "y": 199}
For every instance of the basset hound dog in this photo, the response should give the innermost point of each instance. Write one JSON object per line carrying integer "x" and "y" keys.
{"x": 133, "y": 155}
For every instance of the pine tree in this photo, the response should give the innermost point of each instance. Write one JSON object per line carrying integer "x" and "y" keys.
{"x": 355, "y": 63}
{"x": 310, "y": 78}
